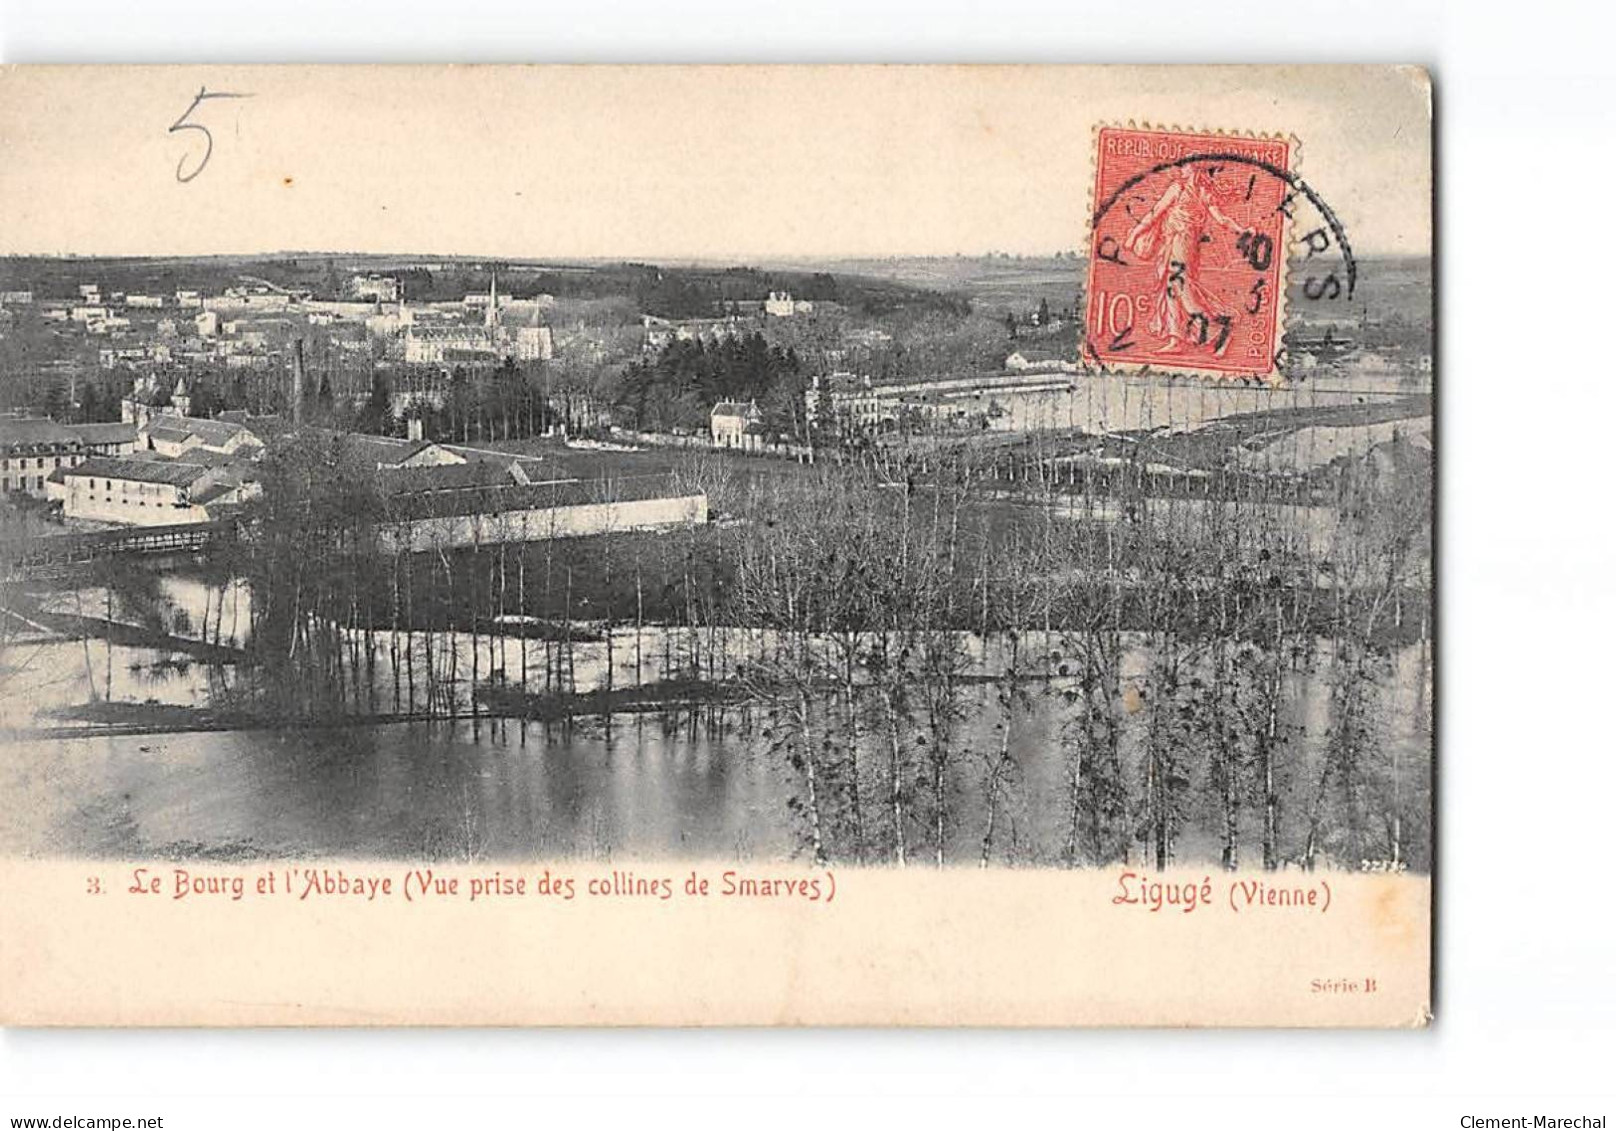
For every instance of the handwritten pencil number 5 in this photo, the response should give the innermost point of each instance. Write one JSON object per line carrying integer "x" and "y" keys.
{"x": 183, "y": 122}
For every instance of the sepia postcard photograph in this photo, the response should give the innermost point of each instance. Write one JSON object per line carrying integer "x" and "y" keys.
{"x": 716, "y": 545}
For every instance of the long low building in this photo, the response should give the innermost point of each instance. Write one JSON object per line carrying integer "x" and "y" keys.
{"x": 487, "y": 515}
{"x": 147, "y": 492}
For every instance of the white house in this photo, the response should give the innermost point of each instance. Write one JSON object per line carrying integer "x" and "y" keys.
{"x": 736, "y": 425}
{"x": 376, "y": 288}
{"x": 31, "y": 450}
{"x": 780, "y": 304}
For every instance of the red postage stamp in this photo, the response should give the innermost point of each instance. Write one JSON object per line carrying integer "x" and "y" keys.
{"x": 1187, "y": 251}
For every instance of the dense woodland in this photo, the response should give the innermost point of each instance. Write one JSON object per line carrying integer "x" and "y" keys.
{"x": 678, "y": 387}
{"x": 669, "y": 292}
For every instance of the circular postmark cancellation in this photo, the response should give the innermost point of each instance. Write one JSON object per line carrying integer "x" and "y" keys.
{"x": 1193, "y": 237}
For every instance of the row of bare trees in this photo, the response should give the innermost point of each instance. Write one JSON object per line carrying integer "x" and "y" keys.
{"x": 1223, "y": 677}
{"x": 946, "y": 666}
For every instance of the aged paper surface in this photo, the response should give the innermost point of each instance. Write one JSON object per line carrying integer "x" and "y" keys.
{"x": 715, "y": 545}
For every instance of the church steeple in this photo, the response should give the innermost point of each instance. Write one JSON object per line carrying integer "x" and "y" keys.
{"x": 490, "y": 317}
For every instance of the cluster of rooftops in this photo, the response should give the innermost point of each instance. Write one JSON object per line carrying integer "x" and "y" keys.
{"x": 217, "y": 460}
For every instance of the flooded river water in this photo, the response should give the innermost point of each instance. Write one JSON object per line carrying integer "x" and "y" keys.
{"x": 640, "y": 785}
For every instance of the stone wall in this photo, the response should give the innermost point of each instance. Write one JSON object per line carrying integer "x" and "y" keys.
{"x": 537, "y": 524}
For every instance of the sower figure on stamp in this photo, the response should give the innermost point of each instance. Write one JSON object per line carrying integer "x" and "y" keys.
{"x": 1173, "y": 232}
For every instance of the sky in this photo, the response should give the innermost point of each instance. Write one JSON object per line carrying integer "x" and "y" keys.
{"x": 655, "y": 162}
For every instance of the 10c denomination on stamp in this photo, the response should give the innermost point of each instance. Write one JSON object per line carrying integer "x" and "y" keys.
{"x": 1187, "y": 251}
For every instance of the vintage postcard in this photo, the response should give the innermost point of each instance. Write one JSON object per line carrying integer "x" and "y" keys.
{"x": 716, "y": 545}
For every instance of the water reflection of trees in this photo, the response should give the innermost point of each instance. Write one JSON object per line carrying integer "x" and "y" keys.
{"x": 867, "y": 589}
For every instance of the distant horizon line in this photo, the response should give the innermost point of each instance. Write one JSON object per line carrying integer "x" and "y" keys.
{"x": 673, "y": 260}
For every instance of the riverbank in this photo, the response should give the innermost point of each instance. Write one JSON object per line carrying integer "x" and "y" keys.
{"x": 106, "y": 720}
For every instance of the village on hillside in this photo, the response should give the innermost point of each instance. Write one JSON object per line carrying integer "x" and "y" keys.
{"x": 104, "y": 383}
